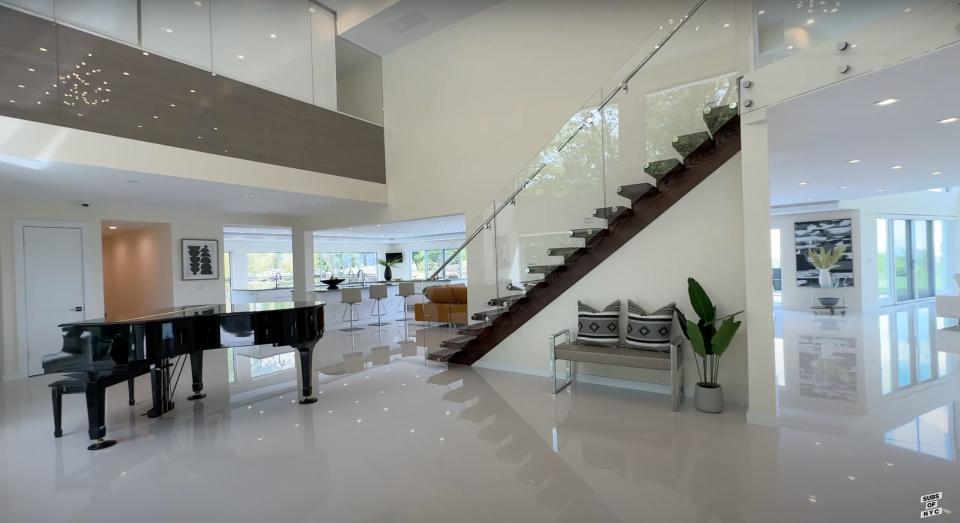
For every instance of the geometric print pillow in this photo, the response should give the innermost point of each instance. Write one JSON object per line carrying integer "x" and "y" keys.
{"x": 649, "y": 331}
{"x": 598, "y": 327}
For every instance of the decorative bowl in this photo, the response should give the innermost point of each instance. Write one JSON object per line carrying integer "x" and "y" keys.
{"x": 332, "y": 283}
{"x": 828, "y": 302}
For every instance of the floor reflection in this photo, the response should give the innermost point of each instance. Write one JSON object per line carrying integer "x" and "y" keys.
{"x": 879, "y": 372}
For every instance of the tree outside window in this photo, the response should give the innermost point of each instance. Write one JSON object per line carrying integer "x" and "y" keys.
{"x": 268, "y": 270}
{"x": 344, "y": 265}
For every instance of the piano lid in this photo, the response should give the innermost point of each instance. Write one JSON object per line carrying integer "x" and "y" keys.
{"x": 174, "y": 313}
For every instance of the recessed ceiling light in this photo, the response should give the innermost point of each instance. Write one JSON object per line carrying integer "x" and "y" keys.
{"x": 896, "y": 167}
{"x": 155, "y": 117}
{"x": 811, "y": 21}
{"x": 936, "y": 173}
{"x": 726, "y": 25}
{"x": 193, "y": 90}
{"x": 888, "y": 101}
{"x": 240, "y": 56}
{"x": 80, "y": 115}
{"x": 173, "y": 105}
{"x": 948, "y": 120}
{"x": 907, "y": 10}
{"x": 853, "y": 161}
{"x": 21, "y": 86}
{"x": 13, "y": 101}
{"x": 842, "y": 187}
{"x": 249, "y": 195}
{"x": 44, "y": 49}
{"x": 146, "y": 53}
{"x": 126, "y": 73}
{"x": 880, "y": 190}
{"x": 139, "y": 126}
{"x": 31, "y": 69}
{"x": 112, "y": 227}
{"x": 272, "y": 35}
{"x": 802, "y": 183}
{"x": 198, "y": 3}
{"x": 761, "y": 12}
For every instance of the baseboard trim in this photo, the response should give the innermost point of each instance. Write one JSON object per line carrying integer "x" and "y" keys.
{"x": 765, "y": 420}
{"x": 593, "y": 379}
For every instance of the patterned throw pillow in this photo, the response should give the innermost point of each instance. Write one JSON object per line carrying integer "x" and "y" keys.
{"x": 649, "y": 331}
{"x": 598, "y": 327}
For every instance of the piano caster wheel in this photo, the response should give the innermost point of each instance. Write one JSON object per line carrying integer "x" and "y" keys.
{"x": 58, "y": 433}
{"x": 307, "y": 401}
{"x": 131, "y": 403}
{"x": 197, "y": 396}
{"x": 101, "y": 444}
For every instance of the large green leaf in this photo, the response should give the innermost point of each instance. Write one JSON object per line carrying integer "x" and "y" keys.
{"x": 696, "y": 339}
{"x": 682, "y": 320}
{"x": 724, "y": 335}
{"x": 700, "y": 301}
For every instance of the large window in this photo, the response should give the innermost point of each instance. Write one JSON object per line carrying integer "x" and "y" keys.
{"x": 344, "y": 265}
{"x": 268, "y": 270}
{"x": 912, "y": 259}
{"x": 423, "y": 263}
{"x": 777, "y": 267}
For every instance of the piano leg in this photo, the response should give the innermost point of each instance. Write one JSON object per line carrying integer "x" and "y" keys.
{"x": 160, "y": 381}
{"x": 96, "y": 417}
{"x": 196, "y": 371}
{"x": 305, "y": 373}
{"x": 130, "y": 400}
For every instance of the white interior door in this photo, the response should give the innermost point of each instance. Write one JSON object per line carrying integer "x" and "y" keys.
{"x": 53, "y": 288}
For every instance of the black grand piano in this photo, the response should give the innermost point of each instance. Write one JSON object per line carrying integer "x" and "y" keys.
{"x": 104, "y": 351}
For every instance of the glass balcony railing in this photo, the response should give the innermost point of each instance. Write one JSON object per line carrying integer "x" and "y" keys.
{"x": 193, "y": 94}
{"x": 642, "y": 117}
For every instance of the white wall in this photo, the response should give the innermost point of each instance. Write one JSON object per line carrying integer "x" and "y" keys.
{"x": 137, "y": 270}
{"x": 184, "y": 223}
{"x": 642, "y": 272}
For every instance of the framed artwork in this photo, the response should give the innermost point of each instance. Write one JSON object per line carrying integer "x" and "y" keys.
{"x": 826, "y": 234}
{"x": 200, "y": 259}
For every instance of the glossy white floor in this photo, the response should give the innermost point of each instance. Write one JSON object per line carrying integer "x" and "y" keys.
{"x": 870, "y": 425}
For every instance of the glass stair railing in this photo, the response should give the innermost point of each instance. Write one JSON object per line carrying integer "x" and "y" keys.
{"x": 638, "y": 144}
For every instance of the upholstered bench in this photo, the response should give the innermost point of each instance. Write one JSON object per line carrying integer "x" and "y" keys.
{"x": 668, "y": 360}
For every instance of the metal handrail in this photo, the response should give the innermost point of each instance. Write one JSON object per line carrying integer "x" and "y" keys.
{"x": 622, "y": 86}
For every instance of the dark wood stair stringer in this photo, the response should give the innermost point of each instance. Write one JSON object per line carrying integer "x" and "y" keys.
{"x": 705, "y": 160}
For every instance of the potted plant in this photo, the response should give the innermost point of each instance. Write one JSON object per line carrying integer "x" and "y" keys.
{"x": 824, "y": 260}
{"x": 710, "y": 337}
{"x": 387, "y": 267}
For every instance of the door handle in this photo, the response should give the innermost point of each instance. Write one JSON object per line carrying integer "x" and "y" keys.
{"x": 78, "y": 309}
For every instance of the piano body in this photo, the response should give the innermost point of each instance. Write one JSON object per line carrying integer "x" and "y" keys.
{"x": 107, "y": 351}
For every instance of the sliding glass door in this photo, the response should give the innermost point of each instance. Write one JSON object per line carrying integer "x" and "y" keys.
{"x": 912, "y": 259}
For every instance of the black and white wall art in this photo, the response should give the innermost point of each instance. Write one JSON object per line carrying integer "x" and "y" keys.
{"x": 826, "y": 234}
{"x": 200, "y": 259}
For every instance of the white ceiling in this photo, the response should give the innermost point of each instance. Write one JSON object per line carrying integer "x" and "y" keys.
{"x": 441, "y": 227}
{"x": 81, "y": 183}
{"x": 813, "y": 138}
{"x": 406, "y": 21}
{"x": 438, "y": 228}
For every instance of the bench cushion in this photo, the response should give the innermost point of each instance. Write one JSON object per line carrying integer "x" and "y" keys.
{"x": 640, "y": 359}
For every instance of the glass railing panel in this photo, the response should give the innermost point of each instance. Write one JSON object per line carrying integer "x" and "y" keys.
{"x": 563, "y": 192}
{"x": 785, "y": 28}
{"x": 482, "y": 267}
{"x": 59, "y": 75}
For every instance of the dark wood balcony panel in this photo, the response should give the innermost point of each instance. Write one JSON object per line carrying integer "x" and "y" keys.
{"x": 167, "y": 102}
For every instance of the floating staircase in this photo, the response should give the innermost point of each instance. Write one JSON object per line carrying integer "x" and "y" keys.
{"x": 701, "y": 153}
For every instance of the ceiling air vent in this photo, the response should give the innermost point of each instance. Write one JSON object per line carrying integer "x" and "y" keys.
{"x": 407, "y": 21}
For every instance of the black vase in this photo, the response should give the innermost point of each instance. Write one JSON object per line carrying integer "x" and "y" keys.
{"x": 387, "y": 273}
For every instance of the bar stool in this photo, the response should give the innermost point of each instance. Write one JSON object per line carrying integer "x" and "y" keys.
{"x": 378, "y": 293}
{"x": 405, "y": 290}
{"x": 351, "y": 297}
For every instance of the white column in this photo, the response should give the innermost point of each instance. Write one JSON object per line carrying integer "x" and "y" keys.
{"x": 758, "y": 267}
{"x": 303, "y": 284}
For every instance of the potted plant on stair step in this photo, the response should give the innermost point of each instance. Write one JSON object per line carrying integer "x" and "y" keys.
{"x": 709, "y": 337}
{"x": 387, "y": 268}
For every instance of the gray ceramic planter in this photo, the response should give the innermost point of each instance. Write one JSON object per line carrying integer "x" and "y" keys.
{"x": 708, "y": 399}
